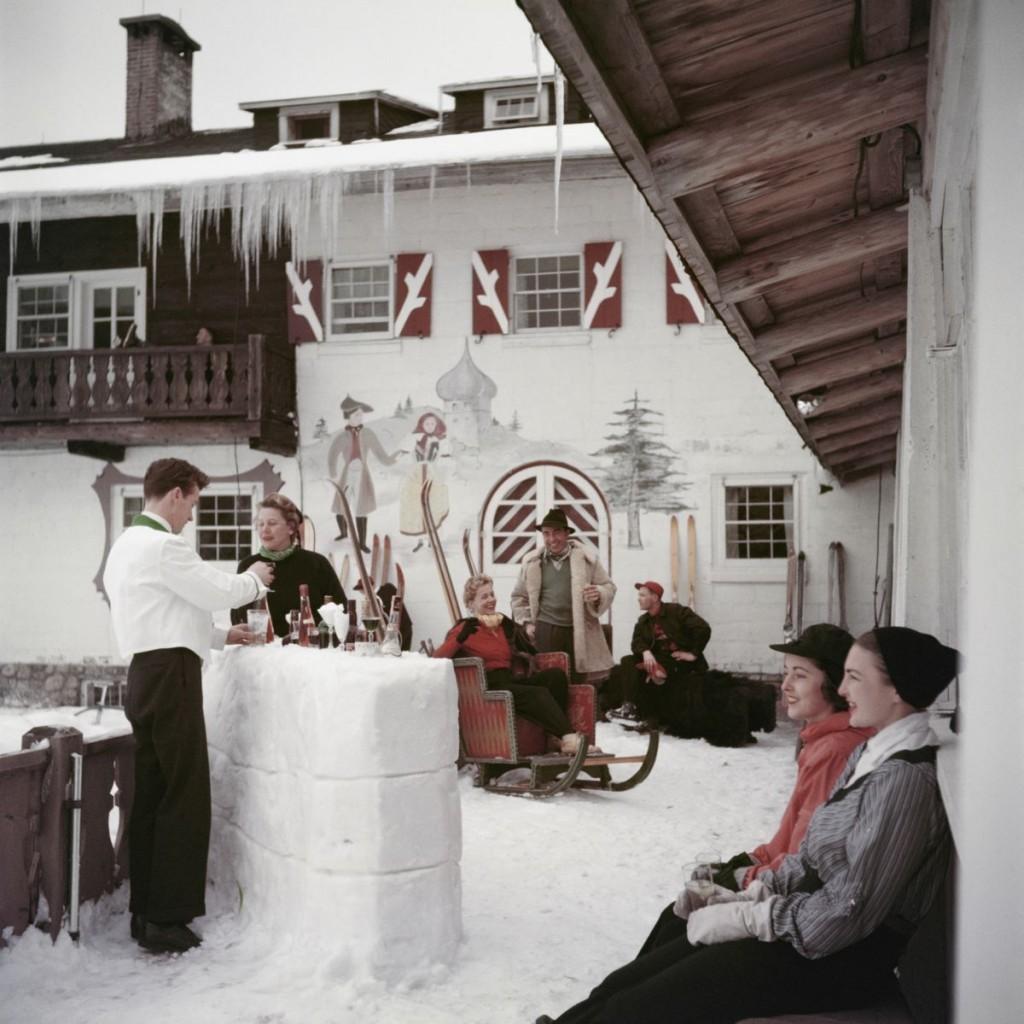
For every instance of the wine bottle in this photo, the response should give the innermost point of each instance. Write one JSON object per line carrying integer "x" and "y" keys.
{"x": 308, "y": 635}
{"x": 353, "y": 626}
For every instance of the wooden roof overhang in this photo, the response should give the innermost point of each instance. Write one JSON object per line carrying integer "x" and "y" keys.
{"x": 775, "y": 140}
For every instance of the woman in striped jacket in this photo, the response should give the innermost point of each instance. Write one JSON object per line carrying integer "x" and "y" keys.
{"x": 824, "y": 930}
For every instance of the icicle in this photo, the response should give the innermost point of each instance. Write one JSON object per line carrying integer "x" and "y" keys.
{"x": 143, "y": 203}
{"x": 440, "y": 110}
{"x": 535, "y": 48}
{"x": 156, "y": 230}
{"x": 35, "y": 220}
{"x": 12, "y": 232}
{"x": 559, "y": 124}
{"x": 193, "y": 209}
{"x": 388, "y": 204}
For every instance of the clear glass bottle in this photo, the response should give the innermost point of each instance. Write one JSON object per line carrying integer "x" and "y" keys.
{"x": 392, "y": 642}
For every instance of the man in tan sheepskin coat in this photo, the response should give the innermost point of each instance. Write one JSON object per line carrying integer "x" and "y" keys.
{"x": 560, "y": 596}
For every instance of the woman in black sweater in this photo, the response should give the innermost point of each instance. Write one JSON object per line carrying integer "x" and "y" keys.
{"x": 277, "y": 524}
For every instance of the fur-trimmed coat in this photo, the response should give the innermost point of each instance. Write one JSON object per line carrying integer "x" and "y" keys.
{"x": 589, "y": 646}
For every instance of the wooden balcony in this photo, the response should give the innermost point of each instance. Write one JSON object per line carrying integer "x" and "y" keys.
{"x": 98, "y": 401}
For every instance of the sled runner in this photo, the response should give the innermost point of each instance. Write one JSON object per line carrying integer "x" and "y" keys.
{"x": 496, "y": 741}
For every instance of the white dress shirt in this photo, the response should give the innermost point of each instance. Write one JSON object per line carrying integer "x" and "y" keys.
{"x": 162, "y": 594}
{"x": 909, "y": 733}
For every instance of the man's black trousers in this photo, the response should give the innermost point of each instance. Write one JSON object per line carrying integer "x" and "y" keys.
{"x": 169, "y": 830}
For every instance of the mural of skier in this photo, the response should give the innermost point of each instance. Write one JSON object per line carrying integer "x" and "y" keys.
{"x": 639, "y": 475}
{"x": 431, "y": 432}
{"x": 347, "y": 465}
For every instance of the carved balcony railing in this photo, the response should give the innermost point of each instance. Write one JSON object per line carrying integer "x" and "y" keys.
{"x": 248, "y": 389}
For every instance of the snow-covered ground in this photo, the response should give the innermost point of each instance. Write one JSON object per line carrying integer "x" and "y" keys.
{"x": 555, "y": 894}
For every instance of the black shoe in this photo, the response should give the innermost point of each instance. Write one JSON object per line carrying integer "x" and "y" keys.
{"x": 138, "y": 926}
{"x": 169, "y": 938}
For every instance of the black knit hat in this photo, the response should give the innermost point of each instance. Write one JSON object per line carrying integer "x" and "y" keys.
{"x": 826, "y": 644}
{"x": 919, "y": 666}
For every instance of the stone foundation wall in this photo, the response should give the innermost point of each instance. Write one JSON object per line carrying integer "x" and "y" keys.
{"x": 55, "y": 684}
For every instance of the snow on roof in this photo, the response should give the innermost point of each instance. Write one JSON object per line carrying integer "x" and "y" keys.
{"x": 340, "y": 97}
{"x": 31, "y": 161}
{"x": 171, "y": 173}
{"x": 510, "y": 81}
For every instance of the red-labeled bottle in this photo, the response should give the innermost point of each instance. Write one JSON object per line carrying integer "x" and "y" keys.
{"x": 308, "y": 635}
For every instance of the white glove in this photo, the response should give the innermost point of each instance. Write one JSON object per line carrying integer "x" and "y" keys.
{"x": 756, "y": 892}
{"x": 688, "y": 901}
{"x": 727, "y": 922}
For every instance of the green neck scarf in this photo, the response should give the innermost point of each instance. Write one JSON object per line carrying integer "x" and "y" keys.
{"x": 143, "y": 520}
{"x": 278, "y": 556}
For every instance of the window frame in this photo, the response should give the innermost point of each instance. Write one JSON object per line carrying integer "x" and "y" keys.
{"x": 493, "y": 96}
{"x": 286, "y": 115}
{"x": 82, "y": 284}
{"x": 514, "y": 293}
{"x": 764, "y": 570}
{"x": 358, "y": 336}
{"x": 191, "y": 532}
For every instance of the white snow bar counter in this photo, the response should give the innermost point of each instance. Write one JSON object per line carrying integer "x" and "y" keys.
{"x": 336, "y": 817}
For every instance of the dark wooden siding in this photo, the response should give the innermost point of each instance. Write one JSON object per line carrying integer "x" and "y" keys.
{"x": 218, "y": 298}
{"x": 468, "y": 115}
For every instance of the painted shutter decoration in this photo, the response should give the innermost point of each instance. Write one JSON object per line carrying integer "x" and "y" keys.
{"x": 490, "y": 291}
{"x": 683, "y": 304}
{"x": 414, "y": 282}
{"x": 305, "y": 301}
{"x": 602, "y": 284}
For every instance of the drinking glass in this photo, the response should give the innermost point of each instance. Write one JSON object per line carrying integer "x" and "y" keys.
{"x": 370, "y": 618}
{"x": 257, "y": 620}
{"x": 700, "y": 873}
{"x": 293, "y": 626}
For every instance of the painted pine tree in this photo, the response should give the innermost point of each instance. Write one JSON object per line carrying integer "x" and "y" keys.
{"x": 639, "y": 474}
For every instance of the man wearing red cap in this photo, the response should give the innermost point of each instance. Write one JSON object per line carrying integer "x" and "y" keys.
{"x": 668, "y": 644}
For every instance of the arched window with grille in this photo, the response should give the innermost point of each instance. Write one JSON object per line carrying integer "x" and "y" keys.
{"x": 518, "y": 502}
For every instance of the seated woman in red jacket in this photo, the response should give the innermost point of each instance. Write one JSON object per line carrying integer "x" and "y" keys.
{"x": 491, "y": 636}
{"x": 812, "y": 675}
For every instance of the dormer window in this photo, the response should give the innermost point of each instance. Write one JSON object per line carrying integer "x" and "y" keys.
{"x": 504, "y": 108}
{"x": 303, "y": 123}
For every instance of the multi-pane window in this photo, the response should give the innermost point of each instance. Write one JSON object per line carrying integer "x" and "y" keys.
{"x": 758, "y": 521}
{"x": 86, "y": 309}
{"x": 548, "y": 292}
{"x": 517, "y": 107}
{"x": 131, "y": 507}
{"x": 43, "y": 316}
{"x": 360, "y": 299}
{"x": 112, "y": 315}
{"x": 224, "y": 527}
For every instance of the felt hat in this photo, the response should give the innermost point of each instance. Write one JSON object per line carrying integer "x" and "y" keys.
{"x": 349, "y": 405}
{"x": 826, "y": 644}
{"x": 557, "y": 520}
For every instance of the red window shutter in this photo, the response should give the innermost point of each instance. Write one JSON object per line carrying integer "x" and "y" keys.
{"x": 602, "y": 282}
{"x": 490, "y": 291}
{"x": 414, "y": 284}
{"x": 683, "y": 304}
{"x": 305, "y": 301}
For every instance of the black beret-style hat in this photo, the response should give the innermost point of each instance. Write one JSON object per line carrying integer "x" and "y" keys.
{"x": 919, "y": 666}
{"x": 824, "y": 643}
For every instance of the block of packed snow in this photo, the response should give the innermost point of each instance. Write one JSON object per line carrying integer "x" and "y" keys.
{"x": 336, "y": 813}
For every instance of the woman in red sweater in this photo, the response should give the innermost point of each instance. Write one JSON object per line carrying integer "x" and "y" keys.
{"x": 813, "y": 671}
{"x": 494, "y": 638}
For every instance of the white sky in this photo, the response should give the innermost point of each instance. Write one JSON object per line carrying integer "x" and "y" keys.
{"x": 62, "y": 62}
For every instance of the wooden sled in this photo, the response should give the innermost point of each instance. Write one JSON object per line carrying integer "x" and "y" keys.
{"x": 496, "y": 741}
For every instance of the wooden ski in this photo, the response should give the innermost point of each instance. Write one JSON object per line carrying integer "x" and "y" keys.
{"x": 308, "y": 534}
{"x": 345, "y": 571}
{"x": 468, "y": 552}
{"x": 788, "y": 635}
{"x": 674, "y": 552}
{"x": 837, "y": 584}
{"x": 385, "y": 567}
{"x": 450, "y": 596}
{"x": 368, "y": 591}
{"x": 400, "y": 581}
{"x": 375, "y": 562}
{"x": 691, "y": 561}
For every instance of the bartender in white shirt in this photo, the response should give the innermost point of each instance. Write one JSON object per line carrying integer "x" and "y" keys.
{"x": 162, "y": 596}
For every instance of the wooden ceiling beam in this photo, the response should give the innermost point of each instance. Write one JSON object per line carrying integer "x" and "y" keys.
{"x": 873, "y": 469}
{"x": 852, "y": 241}
{"x": 838, "y": 323}
{"x": 858, "y": 362}
{"x": 812, "y": 112}
{"x": 868, "y": 465}
{"x": 859, "y": 392}
{"x": 838, "y": 423}
{"x": 877, "y": 446}
{"x": 848, "y": 438}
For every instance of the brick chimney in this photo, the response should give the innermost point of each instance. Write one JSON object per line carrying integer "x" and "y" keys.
{"x": 159, "y": 100}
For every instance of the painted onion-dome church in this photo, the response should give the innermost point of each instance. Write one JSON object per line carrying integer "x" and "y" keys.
{"x": 467, "y": 393}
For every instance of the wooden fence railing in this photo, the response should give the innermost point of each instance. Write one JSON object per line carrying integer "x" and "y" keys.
{"x": 35, "y": 824}
{"x": 134, "y": 383}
